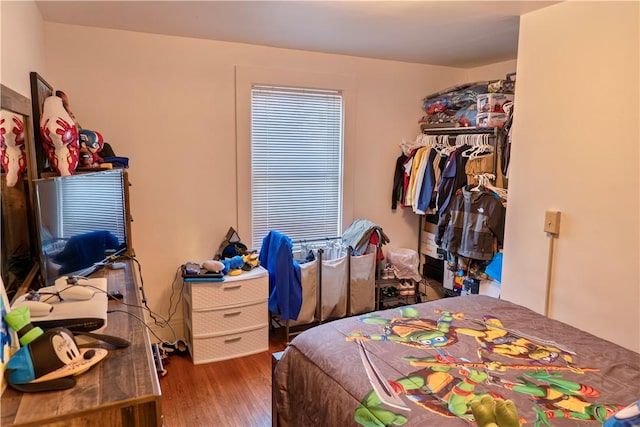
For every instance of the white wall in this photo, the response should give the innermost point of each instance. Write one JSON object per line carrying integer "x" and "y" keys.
{"x": 492, "y": 71}
{"x": 22, "y": 44}
{"x": 576, "y": 150}
{"x": 168, "y": 103}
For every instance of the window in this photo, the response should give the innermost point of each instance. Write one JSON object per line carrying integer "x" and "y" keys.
{"x": 296, "y": 162}
{"x": 101, "y": 195}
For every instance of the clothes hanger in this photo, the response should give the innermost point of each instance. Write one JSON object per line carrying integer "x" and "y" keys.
{"x": 484, "y": 181}
{"x": 441, "y": 143}
{"x": 480, "y": 146}
{"x": 408, "y": 146}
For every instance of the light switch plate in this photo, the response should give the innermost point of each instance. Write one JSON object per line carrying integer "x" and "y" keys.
{"x": 552, "y": 222}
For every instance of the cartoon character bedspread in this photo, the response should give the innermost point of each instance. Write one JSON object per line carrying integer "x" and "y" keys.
{"x": 422, "y": 365}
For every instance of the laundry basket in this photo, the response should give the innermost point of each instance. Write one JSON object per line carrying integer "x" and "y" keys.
{"x": 405, "y": 262}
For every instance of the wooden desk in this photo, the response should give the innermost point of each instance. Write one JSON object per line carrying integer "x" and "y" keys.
{"x": 121, "y": 390}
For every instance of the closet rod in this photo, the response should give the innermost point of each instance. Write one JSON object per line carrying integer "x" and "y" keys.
{"x": 319, "y": 239}
{"x": 458, "y": 130}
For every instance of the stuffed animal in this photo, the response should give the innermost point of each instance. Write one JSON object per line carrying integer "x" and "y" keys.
{"x": 46, "y": 360}
{"x": 60, "y": 136}
{"x": 233, "y": 265}
{"x": 91, "y": 143}
{"x": 494, "y": 413}
{"x": 251, "y": 261}
{"x": 19, "y": 318}
{"x": 14, "y": 160}
{"x": 213, "y": 266}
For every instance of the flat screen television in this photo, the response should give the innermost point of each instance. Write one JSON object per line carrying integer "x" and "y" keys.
{"x": 82, "y": 222}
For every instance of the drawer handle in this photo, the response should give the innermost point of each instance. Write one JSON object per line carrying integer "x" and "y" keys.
{"x": 232, "y": 287}
{"x": 233, "y": 313}
{"x": 229, "y": 340}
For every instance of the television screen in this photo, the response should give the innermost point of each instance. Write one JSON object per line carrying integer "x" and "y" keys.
{"x": 82, "y": 222}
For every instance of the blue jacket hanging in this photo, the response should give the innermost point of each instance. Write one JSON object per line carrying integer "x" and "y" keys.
{"x": 285, "y": 283}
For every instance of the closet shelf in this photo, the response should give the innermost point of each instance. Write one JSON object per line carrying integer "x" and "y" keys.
{"x": 457, "y": 130}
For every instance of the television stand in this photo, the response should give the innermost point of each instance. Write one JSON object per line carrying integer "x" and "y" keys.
{"x": 121, "y": 390}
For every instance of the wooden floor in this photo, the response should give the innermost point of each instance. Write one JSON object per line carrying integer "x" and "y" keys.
{"x": 229, "y": 393}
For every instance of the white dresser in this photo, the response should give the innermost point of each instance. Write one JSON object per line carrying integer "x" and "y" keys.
{"x": 228, "y": 319}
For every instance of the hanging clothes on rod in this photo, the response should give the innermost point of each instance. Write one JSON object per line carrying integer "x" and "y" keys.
{"x": 473, "y": 226}
{"x": 482, "y": 158}
{"x": 484, "y": 182}
{"x": 418, "y": 167}
{"x": 453, "y": 175}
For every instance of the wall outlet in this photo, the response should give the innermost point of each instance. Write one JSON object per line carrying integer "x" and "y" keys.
{"x": 552, "y": 222}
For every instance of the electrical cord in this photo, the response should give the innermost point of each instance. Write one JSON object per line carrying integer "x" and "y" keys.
{"x": 152, "y": 314}
{"x": 141, "y": 321}
{"x": 162, "y": 323}
{"x": 176, "y": 345}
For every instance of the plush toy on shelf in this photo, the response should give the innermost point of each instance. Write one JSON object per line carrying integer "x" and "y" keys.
{"x": 91, "y": 143}
{"x": 60, "y": 136}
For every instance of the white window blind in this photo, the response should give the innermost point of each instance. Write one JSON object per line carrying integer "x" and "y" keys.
{"x": 296, "y": 162}
{"x": 100, "y": 193}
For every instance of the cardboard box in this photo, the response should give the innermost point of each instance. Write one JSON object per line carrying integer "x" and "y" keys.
{"x": 428, "y": 246}
{"x": 491, "y": 120}
{"x": 481, "y": 287}
{"x": 452, "y": 281}
{"x": 493, "y": 102}
{"x": 447, "y": 279}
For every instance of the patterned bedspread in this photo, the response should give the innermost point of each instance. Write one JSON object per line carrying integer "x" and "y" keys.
{"x": 422, "y": 365}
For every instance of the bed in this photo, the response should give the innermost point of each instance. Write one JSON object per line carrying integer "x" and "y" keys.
{"x": 421, "y": 365}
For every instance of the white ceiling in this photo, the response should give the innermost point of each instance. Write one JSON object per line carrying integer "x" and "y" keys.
{"x": 452, "y": 33}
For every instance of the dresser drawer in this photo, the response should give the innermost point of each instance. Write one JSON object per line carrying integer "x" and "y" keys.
{"x": 230, "y": 292}
{"x": 228, "y": 346}
{"x": 229, "y": 318}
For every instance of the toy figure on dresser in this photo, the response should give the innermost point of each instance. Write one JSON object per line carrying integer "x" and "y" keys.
{"x": 60, "y": 135}
{"x": 14, "y": 161}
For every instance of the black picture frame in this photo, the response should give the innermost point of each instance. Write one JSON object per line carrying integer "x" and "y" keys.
{"x": 40, "y": 90}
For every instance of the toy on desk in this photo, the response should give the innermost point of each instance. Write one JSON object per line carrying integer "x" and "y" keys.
{"x": 46, "y": 360}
